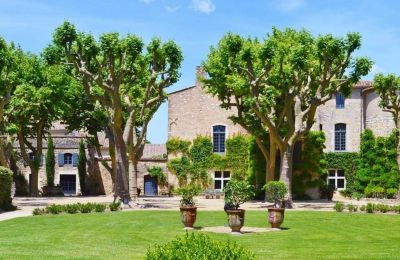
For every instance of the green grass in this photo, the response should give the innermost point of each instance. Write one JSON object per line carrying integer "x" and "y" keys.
{"x": 123, "y": 235}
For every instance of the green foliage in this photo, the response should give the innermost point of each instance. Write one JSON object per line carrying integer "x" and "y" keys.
{"x": 275, "y": 191}
{"x": 257, "y": 167}
{"x": 188, "y": 193}
{"x": 310, "y": 170}
{"x": 50, "y": 162}
{"x": 391, "y": 193}
{"x": 237, "y": 156}
{"x": 192, "y": 166}
{"x": 55, "y": 209}
{"x": 39, "y": 211}
{"x": 339, "y": 206}
{"x": 99, "y": 207}
{"x": 374, "y": 192}
{"x": 237, "y": 192}
{"x": 72, "y": 208}
{"x": 176, "y": 145}
{"x": 86, "y": 207}
{"x": 158, "y": 172}
{"x": 5, "y": 189}
{"x": 352, "y": 208}
{"x": 82, "y": 166}
{"x": 348, "y": 162}
{"x": 377, "y": 167}
{"x": 370, "y": 208}
{"x": 198, "y": 247}
{"x": 115, "y": 206}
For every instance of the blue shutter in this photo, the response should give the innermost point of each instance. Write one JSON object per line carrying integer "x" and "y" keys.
{"x": 41, "y": 160}
{"x": 60, "y": 159}
{"x": 75, "y": 159}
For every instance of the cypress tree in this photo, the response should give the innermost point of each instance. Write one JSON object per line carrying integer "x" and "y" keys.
{"x": 50, "y": 162}
{"x": 82, "y": 166}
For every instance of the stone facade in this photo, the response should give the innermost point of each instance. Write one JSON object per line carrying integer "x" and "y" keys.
{"x": 192, "y": 112}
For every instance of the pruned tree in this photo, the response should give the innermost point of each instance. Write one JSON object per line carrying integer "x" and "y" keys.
{"x": 281, "y": 81}
{"x": 10, "y": 57}
{"x": 127, "y": 80}
{"x": 34, "y": 106}
{"x": 388, "y": 89}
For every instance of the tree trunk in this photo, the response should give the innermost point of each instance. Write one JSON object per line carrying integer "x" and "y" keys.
{"x": 3, "y": 157}
{"x": 134, "y": 186}
{"x": 271, "y": 163}
{"x": 121, "y": 167}
{"x": 286, "y": 173}
{"x": 34, "y": 181}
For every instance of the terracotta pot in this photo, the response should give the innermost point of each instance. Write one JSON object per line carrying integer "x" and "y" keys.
{"x": 188, "y": 216}
{"x": 235, "y": 219}
{"x": 275, "y": 217}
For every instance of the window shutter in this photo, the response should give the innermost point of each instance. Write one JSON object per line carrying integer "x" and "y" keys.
{"x": 75, "y": 159}
{"x": 41, "y": 160}
{"x": 60, "y": 159}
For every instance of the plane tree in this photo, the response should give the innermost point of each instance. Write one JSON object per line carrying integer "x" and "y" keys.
{"x": 35, "y": 104}
{"x": 127, "y": 80}
{"x": 388, "y": 89}
{"x": 280, "y": 81}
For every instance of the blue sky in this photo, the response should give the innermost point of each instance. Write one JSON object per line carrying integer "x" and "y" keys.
{"x": 197, "y": 24}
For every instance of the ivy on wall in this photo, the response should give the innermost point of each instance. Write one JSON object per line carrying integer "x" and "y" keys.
{"x": 309, "y": 170}
{"x": 346, "y": 161}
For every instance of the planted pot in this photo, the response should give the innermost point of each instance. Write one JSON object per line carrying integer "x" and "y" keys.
{"x": 188, "y": 216}
{"x": 276, "y": 216}
{"x": 235, "y": 219}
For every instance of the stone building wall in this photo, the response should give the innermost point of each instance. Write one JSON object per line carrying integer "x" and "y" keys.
{"x": 192, "y": 112}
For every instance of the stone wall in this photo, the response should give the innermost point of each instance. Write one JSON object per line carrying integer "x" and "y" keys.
{"x": 380, "y": 122}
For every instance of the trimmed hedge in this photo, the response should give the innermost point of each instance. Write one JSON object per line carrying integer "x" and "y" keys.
{"x": 5, "y": 189}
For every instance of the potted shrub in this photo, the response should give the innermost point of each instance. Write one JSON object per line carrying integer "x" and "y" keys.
{"x": 275, "y": 192}
{"x": 187, "y": 205}
{"x": 236, "y": 193}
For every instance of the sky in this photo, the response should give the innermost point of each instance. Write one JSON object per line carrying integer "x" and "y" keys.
{"x": 195, "y": 25}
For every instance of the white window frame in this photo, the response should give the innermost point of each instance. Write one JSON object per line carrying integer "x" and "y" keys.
{"x": 212, "y": 136}
{"x": 222, "y": 179}
{"x": 336, "y": 178}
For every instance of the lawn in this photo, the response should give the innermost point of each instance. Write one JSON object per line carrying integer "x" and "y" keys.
{"x": 308, "y": 235}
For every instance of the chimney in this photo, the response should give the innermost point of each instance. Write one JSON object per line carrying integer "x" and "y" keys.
{"x": 200, "y": 74}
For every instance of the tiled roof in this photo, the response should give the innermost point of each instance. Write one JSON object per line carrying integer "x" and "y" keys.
{"x": 364, "y": 84}
{"x": 154, "y": 151}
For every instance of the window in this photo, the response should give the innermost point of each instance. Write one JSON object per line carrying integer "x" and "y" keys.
{"x": 339, "y": 100}
{"x": 320, "y": 127}
{"x": 219, "y": 139}
{"x": 336, "y": 177}
{"x": 340, "y": 137}
{"x": 32, "y": 156}
{"x": 221, "y": 179}
{"x": 67, "y": 158}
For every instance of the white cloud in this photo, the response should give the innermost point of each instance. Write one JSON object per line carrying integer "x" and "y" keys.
{"x": 147, "y": 1}
{"x": 289, "y": 5}
{"x": 172, "y": 9}
{"x": 203, "y": 6}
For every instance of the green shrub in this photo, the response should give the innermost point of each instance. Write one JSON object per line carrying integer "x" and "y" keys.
{"x": 363, "y": 208}
{"x": 352, "y": 208}
{"x": 55, "y": 209}
{"x": 5, "y": 189}
{"x": 374, "y": 192}
{"x": 71, "y": 208}
{"x": 196, "y": 246}
{"x": 370, "y": 208}
{"x": 39, "y": 211}
{"x": 188, "y": 192}
{"x": 383, "y": 208}
{"x": 86, "y": 208}
{"x": 357, "y": 195}
{"x": 100, "y": 207}
{"x": 339, "y": 206}
{"x": 115, "y": 206}
{"x": 391, "y": 193}
{"x": 237, "y": 192}
{"x": 275, "y": 191}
